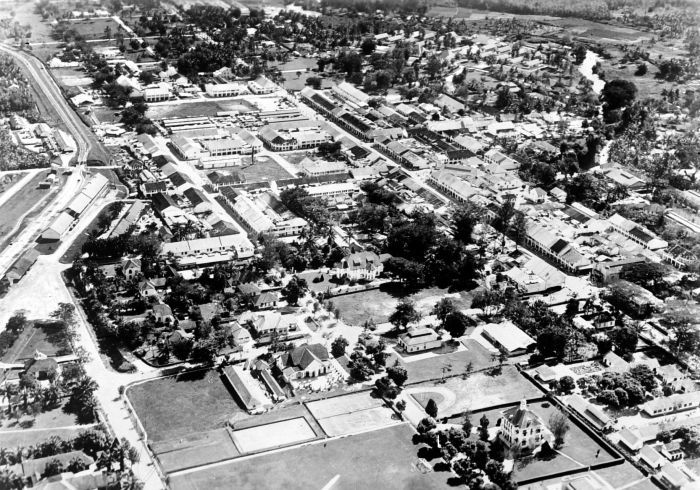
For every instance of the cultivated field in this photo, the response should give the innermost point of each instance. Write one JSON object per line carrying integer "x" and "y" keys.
{"x": 181, "y": 405}
{"x": 379, "y": 459}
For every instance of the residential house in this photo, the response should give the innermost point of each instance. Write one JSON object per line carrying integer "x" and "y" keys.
{"x": 163, "y": 313}
{"x": 359, "y": 266}
{"x": 419, "y": 340}
{"x": 305, "y": 361}
{"x": 131, "y": 267}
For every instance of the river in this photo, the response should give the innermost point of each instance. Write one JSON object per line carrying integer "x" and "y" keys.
{"x": 586, "y": 70}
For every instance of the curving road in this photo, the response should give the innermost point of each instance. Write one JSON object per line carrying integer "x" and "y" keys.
{"x": 47, "y": 85}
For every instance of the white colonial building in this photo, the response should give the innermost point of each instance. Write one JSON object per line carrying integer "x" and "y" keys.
{"x": 523, "y": 428}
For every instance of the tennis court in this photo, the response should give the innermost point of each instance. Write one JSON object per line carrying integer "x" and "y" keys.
{"x": 276, "y": 434}
{"x": 348, "y": 423}
{"x": 343, "y": 404}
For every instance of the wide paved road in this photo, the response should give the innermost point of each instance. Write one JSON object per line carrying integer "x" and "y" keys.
{"x": 46, "y": 85}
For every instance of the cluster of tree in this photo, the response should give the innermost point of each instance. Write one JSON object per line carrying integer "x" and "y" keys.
{"x": 134, "y": 116}
{"x": 16, "y": 157}
{"x": 470, "y": 460}
{"x": 117, "y": 246}
{"x": 689, "y": 436}
{"x": 617, "y": 95}
{"x": 93, "y": 442}
{"x": 423, "y": 256}
{"x": 15, "y": 90}
{"x": 314, "y": 209}
{"x": 390, "y": 385}
{"x": 367, "y": 359}
{"x": 13, "y": 328}
{"x": 595, "y": 10}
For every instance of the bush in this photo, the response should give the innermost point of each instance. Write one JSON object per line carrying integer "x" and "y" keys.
{"x": 566, "y": 384}
{"x": 608, "y": 397}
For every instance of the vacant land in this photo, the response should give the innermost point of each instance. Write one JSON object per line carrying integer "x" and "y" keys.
{"x": 480, "y": 390}
{"x": 46, "y": 337}
{"x": 378, "y": 459}
{"x": 264, "y": 169}
{"x": 180, "y": 405}
{"x": 200, "y": 108}
{"x": 195, "y": 449}
{"x": 15, "y": 209}
{"x": 379, "y": 304}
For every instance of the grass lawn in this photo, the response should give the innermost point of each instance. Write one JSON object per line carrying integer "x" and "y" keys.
{"x": 263, "y": 170}
{"x": 431, "y": 368}
{"x": 13, "y": 210}
{"x": 50, "y": 419}
{"x": 482, "y": 390}
{"x": 106, "y": 115}
{"x": 180, "y": 405}
{"x": 579, "y": 450}
{"x": 12, "y": 440}
{"x": 8, "y": 180}
{"x": 379, "y": 459}
{"x": 195, "y": 449}
{"x": 95, "y": 28}
{"x": 46, "y": 337}
{"x": 379, "y": 304}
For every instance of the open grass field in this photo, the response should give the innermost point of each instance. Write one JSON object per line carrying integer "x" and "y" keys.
{"x": 274, "y": 435}
{"x": 379, "y": 459}
{"x": 195, "y": 449}
{"x": 95, "y": 28}
{"x": 46, "y": 337}
{"x": 264, "y": 169}
{"x": 15, "y": 209}
{"x": 200, "y": 108}
{"x": 14, "y": 439}
{"x": 25, "y": 16}
{"x": 180, "y": 405}
{"x": 453, "y": 364}
{"x": 481, "y": 390}
{"x": 48, "y": 420}
{"x": 378, "y": 304}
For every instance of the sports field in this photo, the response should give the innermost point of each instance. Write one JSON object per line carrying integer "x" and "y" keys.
{"x": 378, "y": 459}
{"x": 195, "y": 449}
{"x": 273, "y": 435}
{"x": 18, "y": 207}
{"x": 348, "y": 414}
{"x": 178, "y": 406}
